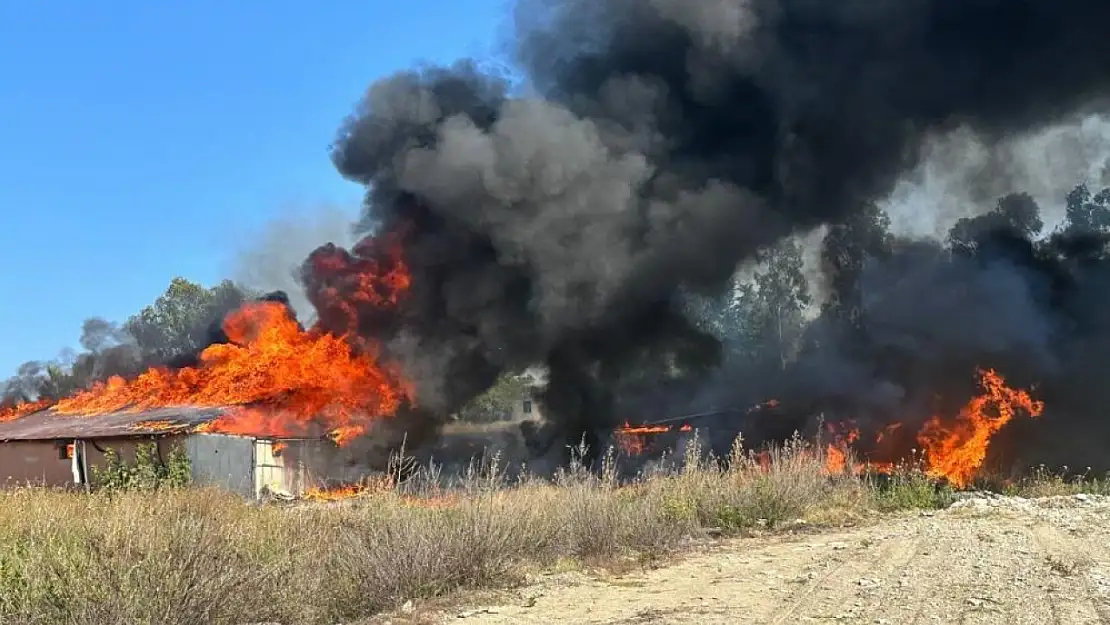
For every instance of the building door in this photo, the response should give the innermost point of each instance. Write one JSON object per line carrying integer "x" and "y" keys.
{"x": 269, "y": 470}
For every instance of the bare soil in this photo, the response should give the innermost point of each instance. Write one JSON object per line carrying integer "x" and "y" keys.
{"x": 984, "y": 560}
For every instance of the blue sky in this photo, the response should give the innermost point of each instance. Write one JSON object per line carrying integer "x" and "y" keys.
{"x": 143, "y": 140}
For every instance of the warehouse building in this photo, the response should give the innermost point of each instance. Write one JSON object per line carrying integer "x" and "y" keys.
{"x": 53, "y": 450}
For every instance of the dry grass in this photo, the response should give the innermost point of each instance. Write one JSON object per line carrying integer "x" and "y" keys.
{"x": 194, "y": 556}
{"x": 1043, "y": 482}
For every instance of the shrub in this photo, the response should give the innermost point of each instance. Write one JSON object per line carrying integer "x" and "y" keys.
{"x": 148, "y": 472}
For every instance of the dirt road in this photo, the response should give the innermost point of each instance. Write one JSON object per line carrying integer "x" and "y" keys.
{"x": 999, "y": 560}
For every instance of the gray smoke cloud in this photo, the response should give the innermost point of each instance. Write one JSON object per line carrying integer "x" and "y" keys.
{"x": 666, "y": 144}
{"x": 960, "y": 176}
{"x": 270, "y": 260}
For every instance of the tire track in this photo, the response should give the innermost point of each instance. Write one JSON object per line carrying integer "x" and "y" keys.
{"x": 1066, "y": 566}
{"x": 833, "y": 590}
{"x": 994, "y": 561}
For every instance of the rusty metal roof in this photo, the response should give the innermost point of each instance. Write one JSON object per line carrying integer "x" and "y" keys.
{"x": 49, "y": 425}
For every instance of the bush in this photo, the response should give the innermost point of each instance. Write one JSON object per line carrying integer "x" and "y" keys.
{"x": 148, "y": 472}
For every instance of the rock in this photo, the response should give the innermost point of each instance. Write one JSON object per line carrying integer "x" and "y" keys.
{"x": 408, "y": 607}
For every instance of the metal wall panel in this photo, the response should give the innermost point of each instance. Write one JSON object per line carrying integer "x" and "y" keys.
{"x": 224, "y": 461}
{"x": 294, "y": 466}
{"x": 33, "y": 463}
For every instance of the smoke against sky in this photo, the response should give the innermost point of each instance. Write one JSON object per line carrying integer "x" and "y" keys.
{"x": 667, "y": 144}
{"x": 270, "y": 260}
{"x": 961, "y": 176}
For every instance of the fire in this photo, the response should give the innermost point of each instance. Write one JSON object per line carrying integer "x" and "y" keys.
{"x": 836, "y": 459}
{"x": 346, "y": 433}
{"x": 338, "y": 493}
{"x": 633, "y": 439}
{"x": 952, "y": 448}
{"x": 770, "y": 403}
{"x": 23, "y": 409}
{"x": 955, "y": 450}
{"x": 281, "y": 380}
{"x": 379, "y": 485}
{"x": 837, "y": 451}
{"x": 887, "y": 432}
{"x": 158, "y": 425}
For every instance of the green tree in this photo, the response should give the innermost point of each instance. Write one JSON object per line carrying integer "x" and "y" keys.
{"x": 59, "y": 382}
{"x": 847, "y": 248}
{"x": 181, "y": 319}
{"x": 1087, "y": 213}
{"x": 498, "y": 402}
{"x": 1016, "y": 215}
{"x": 147, "y": 472}
{"x": 720, "y": 314}
{"x": 776, "y": 303}
{"x": 725, "y": 316}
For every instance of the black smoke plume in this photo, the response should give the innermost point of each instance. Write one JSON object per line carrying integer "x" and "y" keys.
{"x": 668, "y": 142}
{"x": 1000, "y": 293}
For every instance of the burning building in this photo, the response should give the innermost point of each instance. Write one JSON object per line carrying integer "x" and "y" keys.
{"x": 271, "y": 407}
{"x": 50, "y": 449}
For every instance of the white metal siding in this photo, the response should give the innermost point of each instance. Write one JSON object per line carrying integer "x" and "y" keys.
{"x": 269, "y": 470}
{"x": 224, "y": 461}
{"x": 302, "y": 464}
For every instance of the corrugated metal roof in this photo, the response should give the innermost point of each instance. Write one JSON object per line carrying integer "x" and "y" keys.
{"x": 49, "y": 425}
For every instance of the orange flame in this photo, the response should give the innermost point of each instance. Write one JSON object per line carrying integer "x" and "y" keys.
{"x": 379, "y": 485}
{"x": 633, "y": 439}
{"x": 955, "y": 450}
{"x": 155, "y": 426}
{"x": 836, "y": 459}
{"x": 279, "y": 380}
{"x": 12, "y": 413}
{"x": 337, "y": 493}
{"x": 836, "y": 452}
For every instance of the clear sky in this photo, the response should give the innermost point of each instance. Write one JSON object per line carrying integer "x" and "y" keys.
{"x": 143, "y": 139}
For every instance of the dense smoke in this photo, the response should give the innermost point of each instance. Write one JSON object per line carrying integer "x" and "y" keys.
{"x": 999, "y": 293}
{"x": 671, "y": 141}
{"x": 270, "y": 261}
{"x": 959, "y": 172}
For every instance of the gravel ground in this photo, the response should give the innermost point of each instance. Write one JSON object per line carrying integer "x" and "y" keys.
{"x": 986, "y": 559}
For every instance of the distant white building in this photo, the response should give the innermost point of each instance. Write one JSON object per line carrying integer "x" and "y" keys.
{"x": 527, "y": 407}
